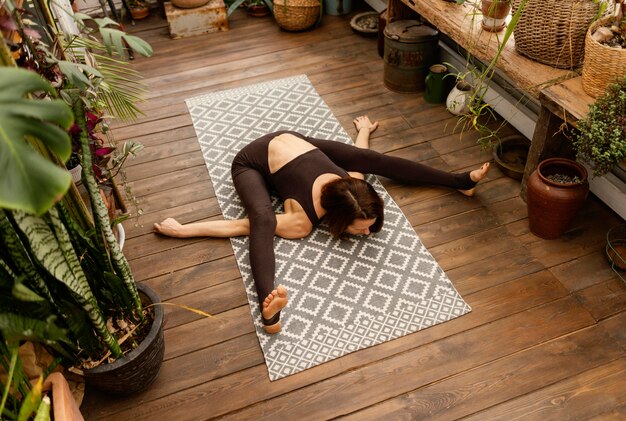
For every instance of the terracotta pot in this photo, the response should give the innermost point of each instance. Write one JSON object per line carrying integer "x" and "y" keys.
{"x": 495, "y": 13}
{"x": 139, "y": 12}
{"x": 136, "y": 370}
{"x": 551, "y": 205}
{"x": 258, "y": 11}
{"x": 189, "y": 4}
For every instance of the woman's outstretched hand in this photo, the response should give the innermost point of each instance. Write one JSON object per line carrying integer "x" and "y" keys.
{"x": 363, "y": 122}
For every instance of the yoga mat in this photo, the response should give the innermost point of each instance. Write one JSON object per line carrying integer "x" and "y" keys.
{"x": 343, "y": 295}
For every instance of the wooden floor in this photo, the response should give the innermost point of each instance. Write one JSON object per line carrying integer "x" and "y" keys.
{"x": 547, "y": 335}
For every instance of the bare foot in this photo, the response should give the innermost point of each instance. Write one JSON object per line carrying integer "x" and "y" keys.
{"x": 363, "y": 122}
{"x": 476, "y": 176}
{"x": 169, "y": 227}
{"x": 273, "y": 303}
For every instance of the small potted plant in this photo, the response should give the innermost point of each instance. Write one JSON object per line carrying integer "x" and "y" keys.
{"x": 138, "y": 9}
{"x": 259, "y": 8}
{"x": 256, "y": 8}
{"x": 601, "y": 137}
{"x": 605, "y": 52}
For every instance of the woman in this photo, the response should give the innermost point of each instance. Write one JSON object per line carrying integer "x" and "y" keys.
{"x": 315, "y": 178}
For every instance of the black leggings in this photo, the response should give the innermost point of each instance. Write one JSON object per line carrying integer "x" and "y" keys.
{"x": 251, "y": 171}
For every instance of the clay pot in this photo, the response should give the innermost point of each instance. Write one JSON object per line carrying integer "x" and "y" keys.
{"x": 495, "y": 13}
{"x": 258, "y": 11}
{"x": 189, "y": 4}
{"x": 553, "y": 205}
{"x": 139, "y": 12}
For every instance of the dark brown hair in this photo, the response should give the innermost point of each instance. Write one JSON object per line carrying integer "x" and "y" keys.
{"x": 347, "y": 199}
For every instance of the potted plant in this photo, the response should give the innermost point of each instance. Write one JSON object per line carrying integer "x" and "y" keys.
{"x": 259, "y": 8}
{"x": 601, "y": 136}
{"x": 138, "y": 9}
{"x": 476, "y": 114}
{"x": 43, "y": 232}
{"x": 605, "y": 52}
{"x": 256, "y": 8}
{"x": 495, "y": 13}
{"x": 557, "y": 189}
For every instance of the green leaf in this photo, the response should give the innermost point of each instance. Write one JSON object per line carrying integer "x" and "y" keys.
{"x": 43, "y": 412}
{"x": 75, "y": 73}
{"x": 16, "y": 328}
{"x": 31, "y": 401}
{"x": 28, "y": 181}
{"x": 23, "y": 293}
{"x": 113, "y": 39}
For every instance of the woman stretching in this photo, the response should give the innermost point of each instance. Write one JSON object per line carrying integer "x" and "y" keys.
{"x": 315, "y": 178}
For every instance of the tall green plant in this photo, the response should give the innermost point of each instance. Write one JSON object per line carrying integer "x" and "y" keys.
{"x": 49, "y": 264}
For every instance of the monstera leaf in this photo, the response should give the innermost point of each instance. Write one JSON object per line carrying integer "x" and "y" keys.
{"x": 28, "y": 181}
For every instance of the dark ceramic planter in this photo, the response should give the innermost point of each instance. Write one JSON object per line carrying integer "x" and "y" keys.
{"x": 510, "y": 155}
{"x": 136, "y": 370}
{"x": 552, "y": 206}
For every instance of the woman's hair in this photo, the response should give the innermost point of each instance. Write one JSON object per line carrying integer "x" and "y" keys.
{"x": 347, "y": 199}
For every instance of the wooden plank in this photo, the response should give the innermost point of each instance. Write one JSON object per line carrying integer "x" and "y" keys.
{"x": 189, "y": 212}
{"x": 501, "y": 380}
{"x": 401, "y": 373}
{"x": 604, "y": 299}
{"x": 567, "y": 100}
{"x": 195, "y": 278}
{"x": 584, "y": 271}
{"x": 616, "y": 327}
{"x": 585, "y": 395}
{"x": 252, "y": 385}
{"x": 185, "y": 256}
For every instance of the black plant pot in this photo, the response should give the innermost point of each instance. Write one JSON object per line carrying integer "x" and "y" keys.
{"x": 510, "y": 154}
{"x": 136, "y": 370}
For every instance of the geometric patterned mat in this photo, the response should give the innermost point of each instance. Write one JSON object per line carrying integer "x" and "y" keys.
{"x": 344, "y": 295}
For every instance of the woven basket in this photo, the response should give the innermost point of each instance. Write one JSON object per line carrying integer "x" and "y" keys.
{"x": 296, "y": 15}
{"x": 553, "y": 31}
{"x": 603, "y": 65}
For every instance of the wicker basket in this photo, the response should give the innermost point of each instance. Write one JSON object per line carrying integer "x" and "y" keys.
{"x": 296, "y": 15}
{"x": 553, "y": 31}
{"x": 603, "y": 65}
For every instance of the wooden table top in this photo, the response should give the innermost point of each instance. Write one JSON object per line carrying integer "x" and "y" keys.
{"x": 462, "y": 24}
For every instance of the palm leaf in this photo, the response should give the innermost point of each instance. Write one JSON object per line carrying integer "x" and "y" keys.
{"x": 28, "y": 181}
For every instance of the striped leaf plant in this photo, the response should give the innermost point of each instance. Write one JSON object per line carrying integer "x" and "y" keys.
{"x": 50, "y": 264}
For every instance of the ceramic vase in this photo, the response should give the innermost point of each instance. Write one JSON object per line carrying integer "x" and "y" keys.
{"x": 436, "y": 84}
{"x": 495, "y": 13}
{"x": 553, "y": 205}
{"x": 459, "y": 97}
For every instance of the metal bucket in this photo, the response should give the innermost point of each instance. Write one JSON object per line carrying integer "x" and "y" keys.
{"x": 410, "y": 49}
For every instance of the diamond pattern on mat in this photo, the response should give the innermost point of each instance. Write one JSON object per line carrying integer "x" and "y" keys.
{"x": 344, "y": 295}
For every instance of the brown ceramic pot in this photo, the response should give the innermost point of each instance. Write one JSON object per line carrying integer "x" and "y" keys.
{"x": 553, "y": 205}
{"x": 494, "y": 14}
{"x": 139, "y": 12}
{"x": 189, "y": 4}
